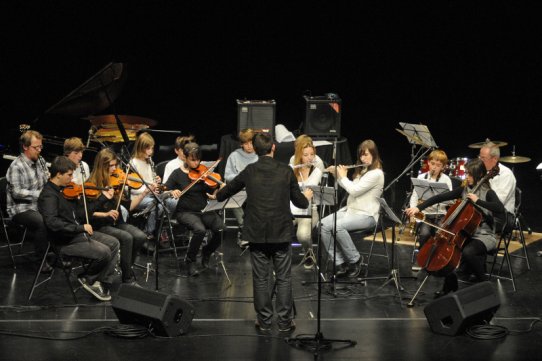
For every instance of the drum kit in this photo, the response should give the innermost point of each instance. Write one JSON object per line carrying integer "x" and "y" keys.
{"x": 456, "y": 166}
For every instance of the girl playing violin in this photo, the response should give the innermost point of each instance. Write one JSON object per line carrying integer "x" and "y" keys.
{"x": 307, "y": 174}
{"x": 142, "y": 153}
{"x": 107, "y": 216}
{"x": 188, "y": 212}
{"x": 483, "y": 240}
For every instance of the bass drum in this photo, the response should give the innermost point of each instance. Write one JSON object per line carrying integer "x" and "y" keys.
{"x": 457, "y": 167}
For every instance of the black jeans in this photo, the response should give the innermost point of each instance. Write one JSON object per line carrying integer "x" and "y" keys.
{"x": 200, "y": 223}
{"x": 131, "y": 239}
{"x": 279, "y": 256}
{"x": 33, "y": 221}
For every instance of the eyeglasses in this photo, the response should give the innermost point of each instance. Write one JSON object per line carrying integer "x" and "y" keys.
{"x": 37, "y": 147}
{"x": 483, "y": 158}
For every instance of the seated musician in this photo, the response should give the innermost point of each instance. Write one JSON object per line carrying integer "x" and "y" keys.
{"x": 304, "y": 138}
{"x": 475, "y": 247}
{"x": 189, "y": 209}
{"x": 236, "y": 163}
{"x": 177, "y": 162}
{"x": 73, "y": 149}
{"x": 106, "y": 212}
{"x": 307, "y": 174}
{"x": 141, "y": 162}
{"x": 437, "y": 161}
{"x": 26, "y": 176}
{"x": 361, "y": 211}
{"x": 75, "y": 237}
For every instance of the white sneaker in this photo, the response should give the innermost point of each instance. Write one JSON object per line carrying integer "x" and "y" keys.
{"x": 95, "y": 289}
{"x": 416, "y": 268}
{"x": 242, "y": 243}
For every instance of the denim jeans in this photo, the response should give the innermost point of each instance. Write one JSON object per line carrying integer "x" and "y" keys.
{"x": 346, "y": 249}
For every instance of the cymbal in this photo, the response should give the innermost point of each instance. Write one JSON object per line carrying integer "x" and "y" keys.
{"x": 411, "y": 138}
{"x": 514, "y": 159}
{"x": 498, "y": 143}
{"x": 102, "y": 120}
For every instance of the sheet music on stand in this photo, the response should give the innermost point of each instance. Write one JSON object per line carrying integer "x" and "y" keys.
{"x": 419, "y": 134}
{"x": 426, "y": 189}
{"x": 391, "y": 215}
{"x": 323, "y": 195}
{"x": 235, "y": 201}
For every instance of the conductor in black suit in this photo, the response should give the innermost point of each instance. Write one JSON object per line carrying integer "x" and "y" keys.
{"x": 268, "y": 227}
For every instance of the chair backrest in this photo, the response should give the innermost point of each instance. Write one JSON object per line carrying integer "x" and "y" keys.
{"x": 3, "y": 196}
{"x": 161, "y": 168}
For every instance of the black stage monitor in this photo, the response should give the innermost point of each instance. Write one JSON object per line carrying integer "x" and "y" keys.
{"x": 259, "y": 115}
{"x": 323, "y": 116}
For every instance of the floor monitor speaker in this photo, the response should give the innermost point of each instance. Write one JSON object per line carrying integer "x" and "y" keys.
{"x": 259, "y": 115}
{"x": 166, "y": 315}
{"x": 452, "y": 314}
{"x": 323, "y": 116}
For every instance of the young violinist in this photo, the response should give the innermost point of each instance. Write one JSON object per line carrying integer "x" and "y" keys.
{"x": 361, "y": 211}
{"x": 178, "y": 162}
{"x": 475, "y": 247}
{"x": 307, "y": 174}
{"x": 237, "y": 161}
{"x": 437, "y": 161}
{"x": 73, "y": 149}
{"x": 107, "y": 212}
{"x": 75, "y": 236}
{"x": 141, "y": 163}
{"x": 191, "y": 202}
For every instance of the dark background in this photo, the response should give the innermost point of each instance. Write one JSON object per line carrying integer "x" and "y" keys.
{"x": 468, "y": 72}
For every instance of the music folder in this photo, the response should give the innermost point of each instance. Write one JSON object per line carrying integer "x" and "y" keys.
{"x": 426, "y": 189}
{"x": 235, "y": 201}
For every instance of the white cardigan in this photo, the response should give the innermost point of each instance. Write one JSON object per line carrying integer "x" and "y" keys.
{"x": 363, "y": 193}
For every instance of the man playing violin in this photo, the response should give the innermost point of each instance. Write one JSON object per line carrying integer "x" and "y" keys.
{"x": 193, "y": 195}
{"x": 26, "y": 177}
{"x": 75, "y": 237}
{"x": 475, "y": 247}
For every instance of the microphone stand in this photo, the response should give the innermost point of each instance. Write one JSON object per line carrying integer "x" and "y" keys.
{"x": 318, "y": 342}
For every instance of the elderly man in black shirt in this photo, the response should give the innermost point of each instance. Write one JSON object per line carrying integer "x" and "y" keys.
{"x": 268, "y": 227}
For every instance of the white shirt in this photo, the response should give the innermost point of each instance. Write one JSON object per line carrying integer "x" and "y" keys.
{"x": 77, "y": 177}
{"x": 439, "y": 208}
{"x": 363, "y": 193}
{"x": 145, "y": 171}
{"x": 312, "y": 180}
{"x": 170, "y": 167}
{"x": 504, "y": 184}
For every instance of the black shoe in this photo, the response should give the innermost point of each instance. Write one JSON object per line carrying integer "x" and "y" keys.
{"x": 289, "y": 327}
{"x": 190, "y": 269}
{"x": 46, "y": 268}
{"x": 148, "y": 246}
{"x": 354, "y": 268}
{"x": 205, "y": 260}
{"x": 262, "y": 327}
{"x": 341, "y": 270}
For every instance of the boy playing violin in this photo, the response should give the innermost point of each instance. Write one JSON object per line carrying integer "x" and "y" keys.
{"x": 191, "y": 202}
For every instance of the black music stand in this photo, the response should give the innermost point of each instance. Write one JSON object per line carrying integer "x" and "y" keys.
{"x": 394, "y": 271}
{"x": 317, "y": 342}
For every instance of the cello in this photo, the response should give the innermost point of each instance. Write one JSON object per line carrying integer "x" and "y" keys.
{"x": 441, "y": 254}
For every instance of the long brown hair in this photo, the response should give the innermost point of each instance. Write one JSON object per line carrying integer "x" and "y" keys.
{"x": 369, "y": 145}
{"x": 100, "y": 171}
{"x": 144, "y": 141}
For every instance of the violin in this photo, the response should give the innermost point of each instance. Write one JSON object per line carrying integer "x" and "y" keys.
{"x": 203, "y": 173}
{"x": 74, "y": 191}
{"x": 117, "y": 179}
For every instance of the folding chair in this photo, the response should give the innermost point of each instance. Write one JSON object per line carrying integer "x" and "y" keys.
{"x": 8, "y": 225}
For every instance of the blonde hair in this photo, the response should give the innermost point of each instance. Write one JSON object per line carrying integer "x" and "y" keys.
{"x": 246, "y": 135}
{"x": 26, "y": 137}
{"x": 142, "y": 143}
{"x": 300, "y": 146}
{"x": 439, "y": 156}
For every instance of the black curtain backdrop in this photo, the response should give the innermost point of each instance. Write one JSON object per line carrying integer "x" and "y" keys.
{"x": 468, "y": 72}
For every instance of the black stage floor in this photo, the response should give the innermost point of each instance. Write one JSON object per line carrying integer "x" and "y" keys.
{"x": 375, "y": 317}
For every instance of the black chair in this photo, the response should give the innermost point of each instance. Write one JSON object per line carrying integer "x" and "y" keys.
{"x": 57, "y": 260}
{"x": 9, "y": 226}
{"x": 505, "y": 237}
{"x": 517, "y": 230}
{"x": 160, "y": 168}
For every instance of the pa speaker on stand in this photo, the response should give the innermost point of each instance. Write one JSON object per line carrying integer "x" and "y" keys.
{"x": 259, "y": 115}
{"x": 166, "y": 315}
{"x": 323, "y": 116}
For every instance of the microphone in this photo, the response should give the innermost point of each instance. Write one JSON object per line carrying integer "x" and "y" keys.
{"x": 324, "y": 179}
{"x": 90, "y": 134}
